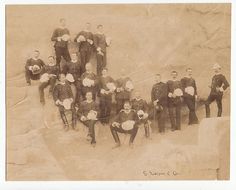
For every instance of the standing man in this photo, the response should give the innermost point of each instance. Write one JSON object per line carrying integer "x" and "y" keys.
{"x": 49, "y": 77}
{"x": 85, "y": 45}
{"x": 125, "y": 122}
{"x": 190, "y": 95}
{"x": 174, "y": 89}
{"x": 159, "y": 101}
{"x": 106, "y": 89}
{"x": 72, "y": 70}
{"x": 61, "y": 36}
{"x": 89, "y": 82}
{"x": 63, "y": 98}
{"x": 33, "y": 68}
{"x": 218, "y": 85}
{"x": 101, "y": 43}
{"x": 124, "y": 87}
{"x": 141, "y": 108}
{"x": 88, "y": 114}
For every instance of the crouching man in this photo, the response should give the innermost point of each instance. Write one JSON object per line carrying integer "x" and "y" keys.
{"x": 141, "y": 108}
{"x": 63, "y": 98}
{"x": 88, "y": 114}
{"x": 125, "y": 122}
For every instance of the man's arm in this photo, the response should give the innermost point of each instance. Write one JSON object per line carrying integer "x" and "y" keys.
{"x": 226, "y": 83}
{"x": 54, "y": 35}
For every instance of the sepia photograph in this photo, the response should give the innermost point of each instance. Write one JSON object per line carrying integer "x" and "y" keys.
{"x": 118, "y": 92}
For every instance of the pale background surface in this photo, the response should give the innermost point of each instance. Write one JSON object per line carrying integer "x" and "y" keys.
{"x": 146, "y": 39}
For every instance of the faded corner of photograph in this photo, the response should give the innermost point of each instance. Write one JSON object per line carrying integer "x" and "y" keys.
{"x": 118, "y": 92}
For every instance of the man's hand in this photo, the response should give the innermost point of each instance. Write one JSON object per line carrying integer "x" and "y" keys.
{"x": 196, "y": 97}
{"x": 58, "y": 102}
{"x": 58, "y": 39}
{"x": 30, "y": 68}
{"x": 99, "y": 49}
{"x": 115, "y": 124}
{"x": 90, "y": 41}
{"x": 155, "y": 102}
{"x": 170, "y": 95}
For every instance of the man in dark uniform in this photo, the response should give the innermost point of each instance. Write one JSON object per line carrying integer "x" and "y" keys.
{"x": 72, "y": 70}
{"x": 159, "y": 104}
{"x": 124, "y": 87}
{"x": 63, "y": 98}
{"x": 88, "y": 114}
{"x": 89, "y": 82}
{"x": 141, "y": 108}
{"x": 106, "y": 89}
{"x": 61, "y": 37}
{"x": 218, "y": 85}
{"x": 85, "y": 45}
{"x": 100, "y": 43}
{"x": 125, "y": 122}
{"x": 49, "y": 77}
{"x": 33, "y": 68}
{"x": 175, "y": 92}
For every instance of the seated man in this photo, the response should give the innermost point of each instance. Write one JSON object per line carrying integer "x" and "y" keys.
{"x": 49, "y": 77}
{"x": 63, "y": 98}
{"x": 141, "y": 108}
{"x": 125, "y": 122}
{"x": 88, "y": 114}
{"x": 89, "y": 82}
{"x": 33, "y": 67}
{"x": 72, "y": 70}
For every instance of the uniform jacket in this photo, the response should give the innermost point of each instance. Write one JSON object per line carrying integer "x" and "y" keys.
{"x": 59, "y": 32}
{"x": 100, "y": 41}
{"x": 217, "y": 81}
{"x": 73, "y": 68}
{"x": 122, "y": 116}
{"x": 62, "y": 92}
{"x": 139, "y": 105}
{"x": 159, "y": 91}
{"x": 86, "y": 107}
{"x": 186, "y": 82}
{"x": 51, "y": 70}
{"x": 84, "y": 46}
{"x": 120, "y": 83}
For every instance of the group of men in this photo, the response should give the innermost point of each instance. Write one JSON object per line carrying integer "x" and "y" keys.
{"x": 92, "y": 100}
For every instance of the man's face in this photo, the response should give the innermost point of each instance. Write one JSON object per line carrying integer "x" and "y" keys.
{"x": 127, "y": 106}
{"x": 89, "y": 96}
{"x": 137, "y": 95}
{"x": 63, "y": 22}
{"x": 189, "y": 72}
{"x": 36, "y": 54}
{"x": 174, "y": 75}
{"x": 88, "y": 67}
{"x": 62, "y": 78}
{"x": 51, "y": 61}
{"x": 88, "y": 26}
{"x": 100, "y": 29}
{"x": 104, "y": 72}
{"x": 158, "y": 78}
{"x": 73, "y": 56}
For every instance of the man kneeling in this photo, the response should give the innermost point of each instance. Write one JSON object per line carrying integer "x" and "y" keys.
{"x": 125, "y": 122}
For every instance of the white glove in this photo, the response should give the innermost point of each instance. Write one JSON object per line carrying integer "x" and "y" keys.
{"x": 30, "y": 68}
{"x": 58, "y": 39}
{"x": 170, "y": 95}
{"x": 90, "y": 41}
{"x": 58, "y": 102}
{"x": 103, "y": 91}
{"x": 115, "y": 124}
{"x": 221, "y": 89}
{"x": 99, "y": 49}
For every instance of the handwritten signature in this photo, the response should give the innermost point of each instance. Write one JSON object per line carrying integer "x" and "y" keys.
{"x": 160, "y": 173}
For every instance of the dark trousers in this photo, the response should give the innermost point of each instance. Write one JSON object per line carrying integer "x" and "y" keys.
{"x": 210, "y": 99}
{"x": 120, "y": 104}
{"x": 91, "y": 129}
{"x": 105, "y": 108}
{"x": 85, "y": 58}
{"x": 64, "y": 118}
{"x": 62, "y": 52}
{"x": 190, "y": 102}
{"x": 175, "y": 115}
{"x": 30, "y": 76}
{"x": 101, "y": 63}
{"x": 146, "y": 127}
{"x": 42, "y": 86}
{"x": 78, "y": 92}
{"x": 159, "y": 117}
{"x": 132, "y": 132}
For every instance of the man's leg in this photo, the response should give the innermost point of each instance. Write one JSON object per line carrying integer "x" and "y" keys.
{"x": 83, "y": 60}
{"x": 91, "y": 125}
{"x": 78, "y": 92}
{"x": 178, "y": 116}
{"x": 209, "y": 100}
{"x": 52, "y": 82}
{"x": 66, "y": 54}
{"x": 161, "y": 120}
{"x": 172, "y": 119}
{"x": 58, "y": 53}
{"x": 133, "y": 134}
{"x": 28, "y": 76}
{"x": 63, "y": 117}
{"x": 99, "y": 64}
{"x": 219, "y": 105}
{"x": 74, "y": 116}
{"x": 108, "y": 108}
{"x": 115, "y": 134}
{"x": 146, "y": 128}
{"x": 119, "y": 105}
{"x": 102, "y": 109}
{"x": 190, "y": 102}
{"x": 41, "y": 91}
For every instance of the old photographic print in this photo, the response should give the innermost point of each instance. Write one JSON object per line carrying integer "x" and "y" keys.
{"x": 118, "y": 92}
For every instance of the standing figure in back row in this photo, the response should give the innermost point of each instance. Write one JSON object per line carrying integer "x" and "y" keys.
{"x": 175, "y": 93}
{"x": 61, "y": 36}
{"x": 190, "y": 95}
{"x": 218, "y": 85}
{"x": 101, "y": 42}
{"x": 85, "y": 45}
